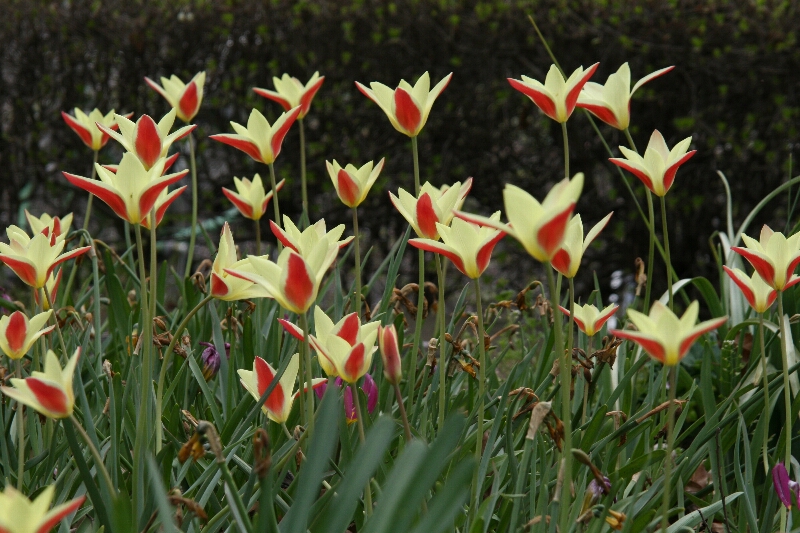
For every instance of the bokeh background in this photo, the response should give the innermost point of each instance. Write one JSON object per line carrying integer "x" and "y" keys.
{"x": 734, "y": 91}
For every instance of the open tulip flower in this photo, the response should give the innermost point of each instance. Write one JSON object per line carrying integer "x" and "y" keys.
{"x": 259, "y": 139}
{"x": 133, "y": 190}
{"x": 279, "y": 403}
{"x": 20, "y": 515}
{"x": 34, "y": 259}
{"x": 145, "y": 139}
{"x": 185, "y": 98}
{"x": 773, "y": 256}
{"x": 290, "y": 92}
{"x": 49, "y": 225}
{"x": 17, "y": 333}
{"x": 557, "y": 97}
{"x": 225, "y": 286}
{"x": 294, "y": 280}
{"x": 590, "y": 319}
{"x": 353, "y": 184}
{"x": 407, "y": 107}
{"x": 469, "y": 246}
{"x": 538, "y": 227}
{"x": 663, "y": 335}
{"x": 758, "y": 294}
{"x": 390, "y": 353}
{"x": 86, "y": 126}
{"x": 568, "y": 259}
{"x": 164, "y": 200}
{"x": 611, "y": 102}
{"x": 250, "y": 198}
{"x": 49, "y": 392}
{"x": 304, "y": 241}
{"x": 433, "y": 206}
{"x": 659, "y": 165}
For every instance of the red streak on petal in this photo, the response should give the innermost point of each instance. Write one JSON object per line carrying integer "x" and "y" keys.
{"x": 52, "y": 398}
{"x": 150, "y": 195}
{"x": 147, "y": 141}
{"x": 348, "y": 189}
{"x": 264, "y": 377}
{"x": 277, "y": 138}
{"x": 23, "y": 269}
{"x": 293, "y": 330}
{"x": 218, "y": 286}
{"x": 580, "y": 324}
{"x": 49, "y": 524}
{"x": 485, "y": 253}
{"x": 281, "y": 236}
{"x": 426, "y": 217}
{"x": 633, "y": 170}
{"x": 603, "y": 113}
{"x": 551, "y": 234}
{"x": 541, "y": 100}
{"x": 299, "y": 285}
{"x": 406, "y": 111}
{"x": 189, "y": 103}
{"x": 244, "y": 208}
{"x": 652, "y": 347}
{"x": 439, "y": 248}
{"x": 572, "y": 96}
{"x": 286, "y": 104}
{"x": 169, "y": 162}
{"x": 308, "y": 96}
{"x": 355, "y": 362}
{"x": 245, "y": 146}
{"x": 78, "y": 128}
{"x": 762, "y": 266}
{"x": 746, "y": 291}
{"x": 349, "y": 329}
{"x": 561, "y": 261}
{"x": 16, "y": 331}
{"x": 669, "y": 174}
{"x": 114, "y": 201}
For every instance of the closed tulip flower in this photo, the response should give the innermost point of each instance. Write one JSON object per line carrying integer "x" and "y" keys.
{"x": 49, "y": 225}
{"x": 145, "y": 139}
{"x": 86, "y": 126}
{"x": 390, "y": 352}
{"x": 250, "y": 197}
{"x": 590, "y": 319}
{"x": 49, "y": 392}
{"x": 185, "y": 98}
{"x": 433, "y": 205}
{"x": 290, "y": 92}
{"x": 556, "y": 97}
{"x": 539, "y": 227}
{"x": 259, "y": 139}
{"x": 18, "y": 514}
{"x": 568, "y": 259}
{"x": 663, "y": 335}
{"x": 353, "y": 184}
{"x": 225, "y": 286}
{"x": 758, "y": 294}
{"x": 34, "y": 259}
{"x": 407, "y": 107}
{"x": 133, "y": 190}
{"x": 659, "y": 165}
{"x": 773, "y": 256}
{"x": 304, "y": 241}
{"x": 164, "y": 200}
{"x": 17, "y": 333}
{"x": 611, "y": 102}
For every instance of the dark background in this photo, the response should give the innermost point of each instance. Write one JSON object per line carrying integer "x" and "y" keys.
{"x": 733, "y": 90}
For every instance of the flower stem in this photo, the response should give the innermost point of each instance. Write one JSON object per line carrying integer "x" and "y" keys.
{"x": 258, "y": 236}
{"x": 20, "y": 435}
{"x": 786, "y": 388}
{"x": 403, "y": 415}
{"x": 275, "y": 205}
{"x": 310, "y": 375}
{"x": 91, "y": 196}
{"x": 303, "y": 184}
{"x": 193, "y": 237}
{"x": 145, "y": 416}
{"x": 55, "y": 319}
{"x": 566, "y": 149}
{"x": 440, "y": 316}
{"x": 98, "y": 460}
{"x": 586, "y": 383}
{"x": 412, "y": 369}
{"x": 357, "y": 250}
{"x": 670, "y": 446}
{"x": 764, "y": 450}
{"x": 477, "y": 483}
{"x": 362, "y": 439}
{"x": 651, "y": 228}
{"x": 666, "y": 249}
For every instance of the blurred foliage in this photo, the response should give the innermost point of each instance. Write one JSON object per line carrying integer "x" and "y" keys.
{"x": 734, "y": 90}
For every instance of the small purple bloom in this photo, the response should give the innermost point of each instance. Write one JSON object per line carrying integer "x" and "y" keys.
{"x": 370, "y": 389}
{"x": 211, "y": 359}
{"x": 785, "y": 486}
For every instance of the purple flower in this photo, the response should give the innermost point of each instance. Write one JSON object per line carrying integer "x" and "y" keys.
{"x": 211, "y": 359}
{"x": 369, "y": 388}
{"x": 785, "y": 486}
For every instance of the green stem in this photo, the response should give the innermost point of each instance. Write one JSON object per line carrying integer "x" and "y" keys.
{"x": 477, "y": 483}
{"x": 566, "y": 149}
{"x": 303, "y": 169}
{"x": 275, "y": 205}
{"x": 586, "y": 383}
{"x": 650, "y": 251}
{"x": 258, "y": 236}
{"x": 521, "y": 477}
{"x": 403, "y": 415}
{"x": 356, "y": 302}
{"x": 98, "y": 460}
{"x": 764, "y": 450}
{"x": 91, "y": 196}
{"x": 571, "y": 322}
{"x": 362, "y": 439}
{"x": 412, "y": 367}
{"x": 193, "y": 237}
{"x": 440, "y": 316}
{"x": 666, "y": 249}
{"x": 670, "y": 446}
{"x": 162, "y": 376}
{"x": 20, "y": 435}
{"x": 786, "y": 389}
{"x": 309, "y": 373}
{"x": 55, "y": 320}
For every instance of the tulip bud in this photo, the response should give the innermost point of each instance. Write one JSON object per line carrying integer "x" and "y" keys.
{"x": 390, "y": 352}
{"x": 371, "y": 391}
{"x": 211, "y": 359}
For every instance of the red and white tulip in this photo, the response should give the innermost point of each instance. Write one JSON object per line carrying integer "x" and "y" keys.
{"x": 225, "y": 286}
{"x": 18, "y": 333}
{"x": 659, "y": 165}
{"x": 86, "y": 126}
{"x": 49, "y": 392}
{"x": 353, "y": 184}
{"x": 568, "y": 259}
{"x": 185, "y": 98}
{"x": 290, "y": 92}
{"x": 250, "y": 197}
{"x": 18, "y": 514}
{"x": 34, "y": 259}
{"x": 758, "y": 294}
{"x": 590, "y": 319}
{"x": 774, "y": 256}
{"x": 433, "y": 206}
{"x": 556, "y": 97}
{"x": 259, "y": 139}
{"x": 390, "y": 352}
{"x": 304, "y": 241}
{"x": 49, "y": 225}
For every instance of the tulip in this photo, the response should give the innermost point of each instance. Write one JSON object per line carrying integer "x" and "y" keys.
{"x": 34, "y": 259}
{"x": 371, "y": 392}
{"x": 259, "y": 139}
{"x": 211, "y": 359}
{"x": 279, "y": 402}
{"x": 290, "y": 92}
{"x": 47, "y": 224}
{"x": 469, "y": 246}
{"x": 758, "y": 294}
{"x": 538, "y": 227}
{"x": 86, "y": 126}
{"x": 250, "y": 198}
{"x": 294, "y": 280}
{"x": 304, "y": 241}
{"x": 52, "y": 285}
{"x": 433, "y": 205}
{"x": 557, "y": 97}
{"x": 659, "y": 165}
{"x": 185, "y": 98}
{"x": 49, "y": 392}
{"x": 20, "y": 515}
{"x": 663, "y": 335}
{"x": 784, "y": 486}
{"x": 133, "y": 190}
{"x": 390, "y": 353}
{"x": 225, "y": 286}
{"x": 17, "y": 333}
{"x": 407, "y": 107}
{"x": 589, "y": 319}
{"x": 353, "y": 184}
{"x": 164, "y": 200}
{"x": 773, "y": 256}
{"x": 611, "y": 102}
{"x": 568, "y": 259}
{"x": 145, "y": 139}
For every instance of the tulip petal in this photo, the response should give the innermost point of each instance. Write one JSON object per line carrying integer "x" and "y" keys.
{"x": 780, "y": 480}
{"x": 649, "y": 77}
{"x": 551, "y": 234}
{"x": 149, "y": 196}
{"x": 350, "y": 326}
{"x": 237, "y": 141}
{"x": 264, "y": 377}
{"x": 354, "y": 364}
{"x": 283, "y": 129}
{"x": 147, "y": 141}
{"x": 602, "y": 112}
{"x": 282, "y": 236}
{"x": 78, "y": 128}
{"x": 575, "y": 91}
{"x": 348, "y": 189}
{"x": 57, "y": 513}
{"x": 764, "y": 267}
{"x": 426, "y": 217}
{"x": 16, "y": 331}
{"x": 308, "y": 96}
{"x": 541, "y": 99}
{"x": 105, "y": 193}
{"x": 189, "y": 101}
{"x": 429, "y": 245}
{"x": 299, "y": 285}
{"x": 406, "y": 110}
{"x": 650, "y": 345}
{"x": 669, "y": 174}
{"x": 241, "y": 204}
{"x": 51, "y": 397}
{"x": 22, "y": 268}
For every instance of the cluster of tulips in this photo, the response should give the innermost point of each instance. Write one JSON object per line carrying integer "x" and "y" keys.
{"x": 138, "y": 191}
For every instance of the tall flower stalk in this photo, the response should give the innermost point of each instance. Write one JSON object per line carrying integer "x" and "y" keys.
{"x": 193, "y": 236}
{"x": 415, "y": 347}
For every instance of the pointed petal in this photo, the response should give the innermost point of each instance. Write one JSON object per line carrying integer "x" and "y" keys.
{"x": 22, "y": 268}
{"x": 275, "y": 97}
{"x": 426, "y": 217}
{"x": 308, "y": 96}
{"x": 282, "y": 130}
{"x": 635, "y": 170}
{"x": 602, "y": 112}
{"x": 150, "y": 194}
{"x": 147, "y": 141}
{"x": 350, "y": 326}
{"x": 17, "y": 331}
{"x": 105, "y": 193}
{"x": 189, "y": 102}
{"x": 669, "y": 174}
{"x": 78, "y": 128}
{"x": 50, "y": 396}
{"x": 762, "y": 265}
{"x": 551, "y": 234}
{"x": 649, "y": 77}
{"x": 237, "y": 141}
{"x": 542, "y": 100}
{"x": 407, "y": 112}
{"x": 58, "y": 513}
{"x": 282, "y": 236}
{"x": 299, "y": 283}
{"x": 575, "y": 90}
{"x": 241, "y": 204}
{"x": 347, "y": 188}
{"x": 292, "y": 329}
{"x": 650, "y": 345}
